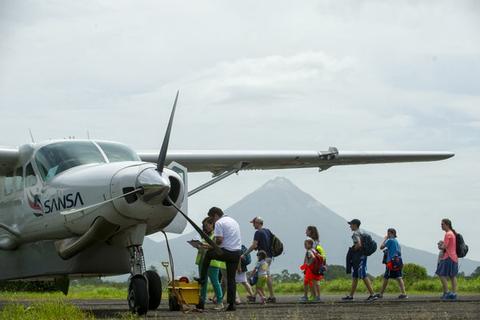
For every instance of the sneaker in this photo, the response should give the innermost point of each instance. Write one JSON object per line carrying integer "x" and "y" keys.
{"x": 272, "y": 300}
{"x": 372, "y": 297}
{"x": 402, "y": 296}
{"x": 378, "y": 295}
{"x": 238, "y": 301}
{"x": 231, "y": 307}
{"x": 303, "y": 299}
{"x": 347, "y": 298}
{"x": 201, "y": 306}
{"x": 263, "y": 300}
{"x": 317, "y": 299}
{"x": 218, "y": 307}
{"x": 251, "y": 299}
{"x": 452, "y": 296}
{"x": 445, "y": 295}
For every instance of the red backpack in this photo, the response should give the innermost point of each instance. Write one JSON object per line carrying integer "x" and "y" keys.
{"x": 317, "y": 266}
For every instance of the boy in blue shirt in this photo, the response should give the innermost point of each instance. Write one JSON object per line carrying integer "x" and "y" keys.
{"x": 393, "y": 263}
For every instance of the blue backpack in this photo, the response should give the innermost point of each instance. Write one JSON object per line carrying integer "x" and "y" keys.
{"x": 246, "y": 261}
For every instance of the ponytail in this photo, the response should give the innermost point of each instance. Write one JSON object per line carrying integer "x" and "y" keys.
{"x": 449, "y": 224}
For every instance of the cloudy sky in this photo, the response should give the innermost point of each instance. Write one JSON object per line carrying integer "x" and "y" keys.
{"x": 357, "y": 75}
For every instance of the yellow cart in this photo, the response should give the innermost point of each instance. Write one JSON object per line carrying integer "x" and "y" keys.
{"x": 181, "y": 292}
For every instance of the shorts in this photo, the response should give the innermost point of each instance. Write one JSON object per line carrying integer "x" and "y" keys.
{"x": 262, "y": 281}
{"x": 361, "y": 271}
{"x": 447, "y": 268}
{"x": 393, "y": 274}
{"x": 241, "y": 277}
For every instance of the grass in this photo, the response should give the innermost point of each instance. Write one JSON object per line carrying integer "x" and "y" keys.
{"x": 75, "y": 292}
{"x": 340, "y": 286}
{"x": 44, "y": 311}
{"x": 337, "y": 286}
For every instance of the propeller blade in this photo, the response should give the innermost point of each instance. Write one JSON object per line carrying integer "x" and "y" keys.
{"x": 197, "y": 228}
{"x": 163, "y": 151}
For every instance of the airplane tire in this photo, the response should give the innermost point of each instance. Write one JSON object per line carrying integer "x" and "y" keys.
{"x": 154, "y": 289}
{"x": 138, "y": 295}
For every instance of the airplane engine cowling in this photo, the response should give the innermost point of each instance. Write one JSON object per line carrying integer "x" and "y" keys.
{"x": 151, "y": 204}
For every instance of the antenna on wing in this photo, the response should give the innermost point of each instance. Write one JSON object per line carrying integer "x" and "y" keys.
{"x": 31, "y": 135}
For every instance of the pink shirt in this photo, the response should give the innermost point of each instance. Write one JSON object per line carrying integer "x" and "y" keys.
{"x": 450, "y": 243}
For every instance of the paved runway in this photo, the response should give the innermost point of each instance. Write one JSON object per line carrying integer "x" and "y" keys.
{"x": 417, "y": 307}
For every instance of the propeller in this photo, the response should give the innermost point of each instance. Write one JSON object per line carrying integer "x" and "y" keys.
{"x": 163, "y": 151}
{"x": 160, "y": 166}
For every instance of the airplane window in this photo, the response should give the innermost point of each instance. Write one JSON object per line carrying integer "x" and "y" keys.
{"x": 118, "y": 152}
{"x": 18, "y": 179}
{"x": 30, "y": 178}
{"x": 60, "y": 156}
{"x": 8, "y": 183}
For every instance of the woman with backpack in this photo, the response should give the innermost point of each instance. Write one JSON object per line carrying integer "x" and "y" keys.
{"x": 448, "y": 265}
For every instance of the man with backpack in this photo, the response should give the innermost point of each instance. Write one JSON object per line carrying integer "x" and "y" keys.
{"x": 363, "y": 246}
{"x": 262, "y": 240}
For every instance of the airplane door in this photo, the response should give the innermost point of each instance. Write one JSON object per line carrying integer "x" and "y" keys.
{"x": 33, "y": 191}
{"x": 179, "y": 223}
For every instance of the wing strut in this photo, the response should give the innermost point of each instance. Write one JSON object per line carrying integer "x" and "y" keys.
{"x": 216, "y": 179}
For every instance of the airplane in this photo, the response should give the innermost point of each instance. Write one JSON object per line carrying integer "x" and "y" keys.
{"x": 77, "y": 208}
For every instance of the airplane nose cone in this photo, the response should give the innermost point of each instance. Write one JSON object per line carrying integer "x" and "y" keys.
{"x": 155, "y": 187}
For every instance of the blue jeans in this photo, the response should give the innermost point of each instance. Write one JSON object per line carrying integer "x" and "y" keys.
{"x": 213, "y": 273}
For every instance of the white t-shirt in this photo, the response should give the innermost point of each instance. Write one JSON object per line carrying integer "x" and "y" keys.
{"x": 229, "y": 229}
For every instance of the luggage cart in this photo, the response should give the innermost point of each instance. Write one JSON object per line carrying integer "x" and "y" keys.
{"x": 181, "y": 292}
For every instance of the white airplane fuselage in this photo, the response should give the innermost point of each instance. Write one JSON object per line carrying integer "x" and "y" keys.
{"x": 47, "y": 204}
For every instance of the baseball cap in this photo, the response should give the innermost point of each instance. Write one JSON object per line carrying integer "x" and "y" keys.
{"x": 355, "y": 222}
{"x": 258, "y": 219}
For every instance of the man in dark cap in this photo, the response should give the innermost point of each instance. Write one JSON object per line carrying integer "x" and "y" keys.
{"x": 262, "y": 241}
{"x": 358, "y": 262}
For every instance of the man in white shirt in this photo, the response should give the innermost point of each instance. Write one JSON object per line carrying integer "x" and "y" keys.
{"x": 228, "y": 238}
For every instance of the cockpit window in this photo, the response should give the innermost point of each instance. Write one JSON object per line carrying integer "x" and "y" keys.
{"x": 58, "y": 157}
{"x": 116, "y": 152}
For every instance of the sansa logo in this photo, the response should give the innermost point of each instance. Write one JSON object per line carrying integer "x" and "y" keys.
{"x": 68, "y": 201}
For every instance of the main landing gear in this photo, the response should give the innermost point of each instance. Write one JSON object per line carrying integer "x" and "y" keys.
{"x": 145, "y": 287}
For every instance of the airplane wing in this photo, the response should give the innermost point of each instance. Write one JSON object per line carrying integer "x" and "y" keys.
{"x": 221, "y": 161}
{"x": 217, "y": 161}
{"x": 8, "y": 158}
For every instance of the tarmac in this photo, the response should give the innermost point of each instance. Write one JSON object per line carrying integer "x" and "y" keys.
{"x": 287, "y": 307}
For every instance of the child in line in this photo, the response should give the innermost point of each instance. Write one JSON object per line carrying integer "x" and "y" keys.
{"x": 241, "y": 277}
{"x": 262, "y": 271}
{"x": 441, "y": 251}
{"x": 311, "y": 268}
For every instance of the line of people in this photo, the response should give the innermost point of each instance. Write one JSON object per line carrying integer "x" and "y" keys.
{"x": 231, "y": 263}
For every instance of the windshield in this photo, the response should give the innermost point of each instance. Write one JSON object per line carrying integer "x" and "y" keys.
{"x": 116, "y": 152}
{"x": 58, "y": 157}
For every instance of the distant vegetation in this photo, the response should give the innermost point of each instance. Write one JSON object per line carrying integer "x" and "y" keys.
{"x": 336, "y": 281}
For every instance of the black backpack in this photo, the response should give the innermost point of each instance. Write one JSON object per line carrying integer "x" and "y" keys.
{"x": 276, "y": 246}
{"x": 462, "y": 248}
{"x": 369, "y": 246}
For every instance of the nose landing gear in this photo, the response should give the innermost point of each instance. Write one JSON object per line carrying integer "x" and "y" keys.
{"x": 145, "y": 287}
